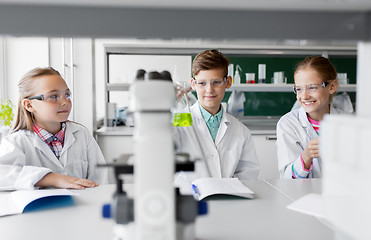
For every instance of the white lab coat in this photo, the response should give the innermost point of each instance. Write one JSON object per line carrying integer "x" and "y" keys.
{"x": 294, "y": 131}
{"x": 25, "y": 158}
{"x": 232, "y": 155}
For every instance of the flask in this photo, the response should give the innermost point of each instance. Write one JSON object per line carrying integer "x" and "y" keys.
{"x": 182, "y": 116}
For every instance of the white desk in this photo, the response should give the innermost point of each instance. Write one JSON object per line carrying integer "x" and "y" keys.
{"x": 298, "y": 188}
{"x": 265, "y": 217}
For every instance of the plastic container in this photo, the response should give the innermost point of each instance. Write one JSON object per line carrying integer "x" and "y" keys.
{"x": 342, "y": 78}
{"x": 237, "y": 77}
{"x": 231, "y": 70}
{"x": 261, "y": 73}
{"x": 279, "y": 78}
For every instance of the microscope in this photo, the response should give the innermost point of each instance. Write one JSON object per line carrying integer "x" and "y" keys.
{"x": 158, "y": 210}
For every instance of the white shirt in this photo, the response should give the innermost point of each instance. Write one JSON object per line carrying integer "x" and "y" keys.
{"x": 294, "y": 131}
{"x": 25, "y": 158}
{"x": 231, "y": 155}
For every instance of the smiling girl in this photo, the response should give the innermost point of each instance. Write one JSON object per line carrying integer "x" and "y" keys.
{"x": 44, "y": 148}
{"x": 297, "y": 131}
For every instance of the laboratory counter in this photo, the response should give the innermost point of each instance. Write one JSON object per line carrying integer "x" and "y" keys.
{"x": 257, "y": 126}
{"x": 265, "y": 217}
{"x": 116, "y": 142}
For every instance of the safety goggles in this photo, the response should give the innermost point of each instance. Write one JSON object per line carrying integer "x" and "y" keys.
{"x": 312, "y": 88}
{"x": 218, "y": 82}
{"x": 53, "y": 97}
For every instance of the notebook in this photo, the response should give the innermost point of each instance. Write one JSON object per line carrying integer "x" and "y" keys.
{"x": 20, "y": 201}
{"x": 205, "y": 187}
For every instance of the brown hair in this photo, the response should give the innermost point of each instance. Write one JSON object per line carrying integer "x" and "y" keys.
{"x": 210, "y": 59}
{"x": 324, "y": 68}
{"x": 23, "y": 118}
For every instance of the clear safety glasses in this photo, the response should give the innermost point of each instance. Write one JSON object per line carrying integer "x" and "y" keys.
{"x": 53, "y": 97}
{"x": 312, "y": 88}
{"x": 218, "y": 82}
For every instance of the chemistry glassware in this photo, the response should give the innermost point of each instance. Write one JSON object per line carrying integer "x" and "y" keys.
{"x": 181, "y": 113}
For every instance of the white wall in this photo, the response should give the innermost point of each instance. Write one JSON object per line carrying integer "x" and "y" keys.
{"x": 23, "y": 54}
{"x": 20, "y": 56}
{"x": 123, "y": 67}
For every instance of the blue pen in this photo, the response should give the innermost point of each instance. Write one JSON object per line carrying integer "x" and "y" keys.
{"x": 194, "y": 187}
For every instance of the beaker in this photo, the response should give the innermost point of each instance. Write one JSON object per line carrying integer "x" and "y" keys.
{"x": 182, "y": 116}
{"x": 250, "y": 77}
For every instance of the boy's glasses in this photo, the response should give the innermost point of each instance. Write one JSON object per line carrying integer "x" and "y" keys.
{"x": 218, "y": 82}
{"x": 52, "y": 98}
{"x": 312, "y": 88}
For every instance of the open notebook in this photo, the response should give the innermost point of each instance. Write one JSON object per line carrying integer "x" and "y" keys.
{"x": 204, "y": 187}
{"x": 29, "y": 200}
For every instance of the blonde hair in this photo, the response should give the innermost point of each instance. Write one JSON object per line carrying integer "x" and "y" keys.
{"x": 23, "y": 118}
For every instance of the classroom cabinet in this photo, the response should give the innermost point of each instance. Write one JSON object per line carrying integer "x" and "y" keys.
{"x": 266, "y": 149}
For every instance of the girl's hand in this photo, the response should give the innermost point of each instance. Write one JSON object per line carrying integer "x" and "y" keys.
{"x": 310, "y": 152}
{"x": 64, "y": 181}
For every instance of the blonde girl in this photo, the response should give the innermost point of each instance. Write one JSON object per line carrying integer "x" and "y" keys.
{"x": 44, "y": 148}
{"x": 297, "y": 131}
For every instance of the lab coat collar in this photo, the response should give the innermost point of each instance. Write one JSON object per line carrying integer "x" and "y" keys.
{"x": 303, "y": 118}
{"x": 199, "y": 120}
{"x": 224, "y": 123}
{"x": 44, "y": 148}
{"x": 306, "y": 124}
{"x": 69, "y": 137}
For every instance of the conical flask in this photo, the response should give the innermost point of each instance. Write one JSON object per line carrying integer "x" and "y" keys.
{"x": 182, "y": 116}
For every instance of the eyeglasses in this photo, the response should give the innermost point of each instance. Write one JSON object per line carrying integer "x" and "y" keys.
{"x": 312, "y": 88}
{"x": 52, "y": 98}
{"x": 218, "y": 82}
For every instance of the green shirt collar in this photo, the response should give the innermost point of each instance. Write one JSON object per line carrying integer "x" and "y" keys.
{"x": 207, "y": 116}
{"x": 212, "y": 122}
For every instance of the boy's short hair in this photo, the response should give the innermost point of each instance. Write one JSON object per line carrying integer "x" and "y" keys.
{"x": 210, "y": 59}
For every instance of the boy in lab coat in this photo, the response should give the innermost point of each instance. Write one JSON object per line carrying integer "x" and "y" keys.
{"x": 222, "y": 144}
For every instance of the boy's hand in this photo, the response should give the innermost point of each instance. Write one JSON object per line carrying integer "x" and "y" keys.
{"x": 310, "y": 152}
{"x": 64, "y": 181}
{"x": 180, "y": 90}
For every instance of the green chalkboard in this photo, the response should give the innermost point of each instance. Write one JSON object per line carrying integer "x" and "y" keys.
{"x": 279, "y": 103}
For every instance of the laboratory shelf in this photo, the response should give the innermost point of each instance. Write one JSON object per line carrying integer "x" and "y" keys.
{"x": 253, "y": 51}
{"x": 280, "y": 87}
